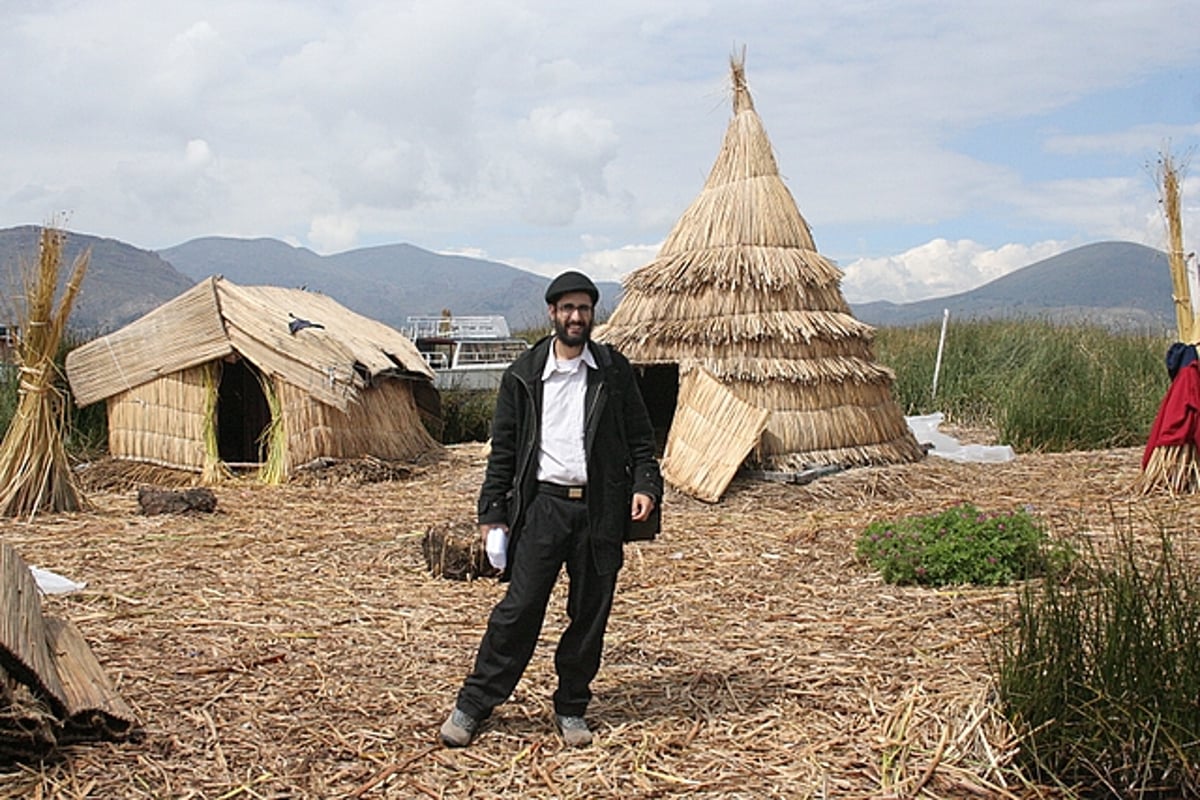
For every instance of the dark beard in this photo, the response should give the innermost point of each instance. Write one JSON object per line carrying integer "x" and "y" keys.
{"x": 560, "y": 330}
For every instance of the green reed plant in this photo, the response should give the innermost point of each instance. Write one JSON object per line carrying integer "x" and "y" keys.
{"x": 10, "y": 377}
{"x": 466, "y": 415}
{"x": 86, "y": 429}
{"x": 961, "y": 545}
{"x": 1101, "y": 673}
{"x": 86, "y": 433}
{"x": 1040, "y": 385}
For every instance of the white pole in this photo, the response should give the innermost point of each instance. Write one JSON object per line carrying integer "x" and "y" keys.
{"x": 937, "y": 365}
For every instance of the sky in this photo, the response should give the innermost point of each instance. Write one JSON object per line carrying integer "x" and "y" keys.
{"x": 931, "y": 146}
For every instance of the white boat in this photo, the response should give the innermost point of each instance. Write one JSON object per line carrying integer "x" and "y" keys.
{"x": 465, "y": 352}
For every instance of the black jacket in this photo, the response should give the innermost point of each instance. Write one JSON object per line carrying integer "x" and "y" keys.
{"x": 618, "y": 441}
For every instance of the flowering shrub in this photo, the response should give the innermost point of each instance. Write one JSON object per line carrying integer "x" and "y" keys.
{"x": 959, "y": 545}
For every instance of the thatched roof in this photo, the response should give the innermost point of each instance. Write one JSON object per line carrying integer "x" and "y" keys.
{"x": 333, "y": 360}
{"x": 739, "y": 289}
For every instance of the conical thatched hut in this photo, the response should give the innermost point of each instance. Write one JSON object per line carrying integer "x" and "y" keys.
{"x": 226, "y": 375}
{"x": 739, "y": 294}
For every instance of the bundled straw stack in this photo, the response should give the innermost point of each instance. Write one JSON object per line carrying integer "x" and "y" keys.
{"x": 34, "y": 472}
{"x": 1170, "y": 460}
{"x": 738, "y": 289}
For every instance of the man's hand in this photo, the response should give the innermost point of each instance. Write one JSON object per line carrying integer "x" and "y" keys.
{"x": 642, "y": 505}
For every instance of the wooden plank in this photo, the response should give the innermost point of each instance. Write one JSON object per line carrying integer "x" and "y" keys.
{"x": 803, "y": 476}
{"x": 24, "y": 651}
{"x": 94, "y": 709}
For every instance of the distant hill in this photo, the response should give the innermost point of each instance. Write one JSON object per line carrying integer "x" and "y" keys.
{"x": 121, "y": 284}
{"x": 1118, "y": 285}
{"x": 388, "y": 283}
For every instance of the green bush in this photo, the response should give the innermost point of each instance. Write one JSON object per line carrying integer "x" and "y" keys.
{"x": 467, "y": 415}
{"x": 960, "y": 545}
{"x": 10, "y": 378}
{"x": 85, "y": 431}
{"x": 1041, "y": 386}
{"x": 1101, "y": 674}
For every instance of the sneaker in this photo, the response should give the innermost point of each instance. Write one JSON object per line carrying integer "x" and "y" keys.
{"x": 574, "y": 730}
{"x": 459, "y": 729}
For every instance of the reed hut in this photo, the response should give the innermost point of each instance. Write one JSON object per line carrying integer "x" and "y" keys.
{"x": 738, "y": 291}
{"x": 229, "y": 376}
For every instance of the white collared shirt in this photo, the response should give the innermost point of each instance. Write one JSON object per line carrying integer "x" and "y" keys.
{"x": 562, "y": 458}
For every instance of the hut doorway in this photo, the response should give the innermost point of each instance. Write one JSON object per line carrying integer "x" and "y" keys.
{"x": 242, "y": 414}
{"x": 659, "y": 385}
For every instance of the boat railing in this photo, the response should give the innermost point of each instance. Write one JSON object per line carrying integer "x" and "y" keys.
{"x": 436, "y": 360}
{"x": 476, "y": 327}
{"x": 479, "y": 353}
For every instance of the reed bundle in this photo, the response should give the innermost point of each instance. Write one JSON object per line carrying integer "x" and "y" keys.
{"x": 35, "y": 474}
{"x": 214, "y": 470}
{"x": 273, "y": 441}
{"x": 1168, "y": 176}
{"x": 1174, "y": 468}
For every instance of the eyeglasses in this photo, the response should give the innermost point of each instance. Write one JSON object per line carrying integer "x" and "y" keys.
{"x": 570, "y": 308}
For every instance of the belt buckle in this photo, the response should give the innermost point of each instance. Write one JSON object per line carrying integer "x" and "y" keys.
{"x": 575, "y": 492}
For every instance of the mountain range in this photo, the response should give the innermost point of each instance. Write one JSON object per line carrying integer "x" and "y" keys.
{"x": 1117, "y": 284}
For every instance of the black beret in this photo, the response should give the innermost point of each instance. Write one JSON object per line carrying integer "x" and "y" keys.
{"x": 571, "y": 282}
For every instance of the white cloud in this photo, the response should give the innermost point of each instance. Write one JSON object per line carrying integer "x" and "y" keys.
{"x": 566, "y": 136}
{"x": 937, "y": 269}
{"x": 468, "y": 252}
{"x": 615, "y": 264}
{"x": 1135, "y": 141}
{"x": 197, "y": 153}
{"x": 333, "y": 233}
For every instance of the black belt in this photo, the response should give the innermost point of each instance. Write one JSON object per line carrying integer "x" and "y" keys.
{"x": 567, "y": 492}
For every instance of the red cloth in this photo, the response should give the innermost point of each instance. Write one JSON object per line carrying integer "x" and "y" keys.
{"x": 1178, "y": 420}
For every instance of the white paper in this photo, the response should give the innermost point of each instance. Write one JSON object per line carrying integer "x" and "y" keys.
{"x": 925, "y": 429}
{"x": 497, "y": 547}
{"x": 51, "y": 583}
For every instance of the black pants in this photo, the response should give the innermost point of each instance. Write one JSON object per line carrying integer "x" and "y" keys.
{"x": 556, "y": 532}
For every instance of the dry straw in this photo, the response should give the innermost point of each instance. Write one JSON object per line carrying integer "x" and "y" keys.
{"x": 1174, "y": 468}
{"x": 295, "y": 644}
{"x": 273, "y": 441}
{"x": 712, "y": 433}
{"x": 739, "y": 290}
{"x": 1168, "y": 177}
{"x": 35, "y": 474}
{"x": 214, "y": 470}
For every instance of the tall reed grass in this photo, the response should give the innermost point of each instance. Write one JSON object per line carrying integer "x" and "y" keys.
{"x": 1100, "y": 673}
{"x": 1040, "y": 385}
{"x": 86, "y": 430}
{"x": 466, "y": 415}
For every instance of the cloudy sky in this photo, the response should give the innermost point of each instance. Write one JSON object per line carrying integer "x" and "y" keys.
{"x": 932, "y": 146}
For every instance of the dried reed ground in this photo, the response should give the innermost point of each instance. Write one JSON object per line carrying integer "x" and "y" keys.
{"x": 292, "y": 644}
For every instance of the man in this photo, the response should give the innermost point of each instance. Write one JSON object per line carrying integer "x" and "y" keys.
{"x": 572, "y": 463}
